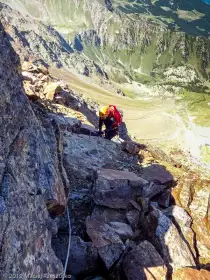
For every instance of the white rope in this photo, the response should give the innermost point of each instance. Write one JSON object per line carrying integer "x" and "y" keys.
{"x": 69, "y": 245}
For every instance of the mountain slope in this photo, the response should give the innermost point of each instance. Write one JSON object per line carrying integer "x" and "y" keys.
{"x": 192, "y": 16}
{"x": 33, "y": 40}
{"x": 129, "y": 46}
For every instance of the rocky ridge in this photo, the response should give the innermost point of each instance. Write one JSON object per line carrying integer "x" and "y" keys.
{"x": 124, "y": 216}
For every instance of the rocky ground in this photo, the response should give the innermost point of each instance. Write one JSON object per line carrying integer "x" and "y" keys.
{"x": 132, "y": 215}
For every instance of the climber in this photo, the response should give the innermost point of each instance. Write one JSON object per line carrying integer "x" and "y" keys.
{"x": 111, "y": 118}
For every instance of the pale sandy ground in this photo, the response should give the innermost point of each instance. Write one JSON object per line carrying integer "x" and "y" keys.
{"x": 152, "y": 120}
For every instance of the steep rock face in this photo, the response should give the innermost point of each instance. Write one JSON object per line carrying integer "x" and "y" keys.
{"x": 175, "y": 250}
{"x": 183, "y": 222}
{"x": 193, "y": 195}
{"x": 29, "y": 177}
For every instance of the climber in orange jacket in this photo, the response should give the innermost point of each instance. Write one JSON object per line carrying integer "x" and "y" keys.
{"x": 111, "y": 118}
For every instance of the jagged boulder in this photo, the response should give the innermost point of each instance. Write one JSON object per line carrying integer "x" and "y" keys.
{"x": 106, "y": 240}
{"x": 164, "y": 198}
{"x": 83, "y": 257}
{"x": 144, "y": 262}
{"x": 200, "y": 205}
{"x": 89, "y": 154}
{"x": 30, "y": 91}
{"x": 199, "y": 210}
{"x": 151, "y": 190}
{"x": 115, "y": 188}
{"x": 164, "y": 234}
{"x": 158, "y": 173}
{"x": 183, "y": 222}
{"x": 131, "y": 147}
{"x": 134, "y": 213}
{"x": 69, "y": 124}
{"x": 133, "y": 217}
{"x": 204, "y": 251}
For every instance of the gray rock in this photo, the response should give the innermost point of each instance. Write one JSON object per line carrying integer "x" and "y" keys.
{"x": 164, "y": 198}
{"x": 201, "y": 202}
{"x": 80, "y": 206}
{"x": 133, "y": 214}
{"x": 88, "y": 130}
{"x": 193, "y": 195}
{"x": 123, "y": 230}
{"x": 143, "y": 203}
{"x": 144, "y": 262}
{"x": 51, "y": 90}
{"x": 65, "y": 123}
{"x": 204, "y": 251}
{"x": 83, "y": 258}
{"x": 157, "y": 172}
{"x": 115, "y": 188}
{"x": 133, "y": 217}
{"x": 106, "y": 240}
{"x": 89, "y": 154}
{"x": 134, "y": 205}
{"x": 174, "y": 249}
{"x": 106, "y": 215}
{"x": 155, "y": 205}
{"x": 131, "y": 147}
{"x": 151, "y": 190}
{"x": 200, "y": 212}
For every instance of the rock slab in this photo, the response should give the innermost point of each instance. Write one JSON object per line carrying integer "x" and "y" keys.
{"x": 115, "y": 188}
{"x": 144, "y": 262}
{"x": 106, "y": 240}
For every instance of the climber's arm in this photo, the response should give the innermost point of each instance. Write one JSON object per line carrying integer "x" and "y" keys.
{"x": 101, "y": 122}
